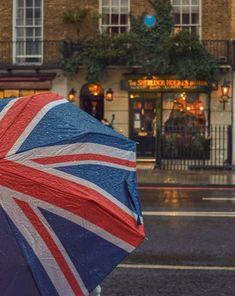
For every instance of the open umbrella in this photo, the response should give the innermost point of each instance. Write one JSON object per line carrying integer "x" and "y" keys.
{"x": 69, "y": 207}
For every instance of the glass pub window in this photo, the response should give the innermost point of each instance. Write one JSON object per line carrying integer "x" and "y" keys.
{"x": 115, "y": 16}
{"x": 186, "y": 15}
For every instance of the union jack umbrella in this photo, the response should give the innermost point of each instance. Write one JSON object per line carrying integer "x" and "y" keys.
{"x": 69, "y": 207}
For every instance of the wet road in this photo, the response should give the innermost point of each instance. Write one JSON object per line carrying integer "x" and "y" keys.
{"x": 190, "y": 248}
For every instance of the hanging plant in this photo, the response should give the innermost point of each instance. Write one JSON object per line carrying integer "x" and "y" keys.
{"x": 98, "y": 53}
{"x": 191, "y": 60}
{"x": 151, "y": 46}
{"x": 78, "y": 17}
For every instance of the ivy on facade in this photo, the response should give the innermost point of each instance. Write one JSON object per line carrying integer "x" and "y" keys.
{"x": 155, "y": 50}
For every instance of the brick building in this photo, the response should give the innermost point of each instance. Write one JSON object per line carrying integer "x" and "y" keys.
{"x": 32, "y": 49}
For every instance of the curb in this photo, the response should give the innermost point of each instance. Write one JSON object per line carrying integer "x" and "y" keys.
{"x": 180, "y": 186}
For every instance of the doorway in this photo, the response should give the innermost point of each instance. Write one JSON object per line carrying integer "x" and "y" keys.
{"x": 145, "y": 116}
{"x": 92, "y": 100}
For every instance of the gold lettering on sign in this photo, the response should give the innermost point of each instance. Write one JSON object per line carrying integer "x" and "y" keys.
{"x": 131, "y": 83}
{"x": 164, "y": 83}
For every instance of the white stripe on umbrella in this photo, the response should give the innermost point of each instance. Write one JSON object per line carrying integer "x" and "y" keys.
{"x": 75, "y": 148}
{"x": 23, "y": 158}
{"x": 93, "y": 162}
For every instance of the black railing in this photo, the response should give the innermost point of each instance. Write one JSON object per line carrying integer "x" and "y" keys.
{"x": 185, "y": 148}
{"x": 222, "y": 50}
{"x": 29, "y": 53}
{"x": 51, "y": 53}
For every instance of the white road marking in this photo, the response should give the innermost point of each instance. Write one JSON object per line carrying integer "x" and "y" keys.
{"x": 179, "y": 267}
{"x": 188, "y": 214}
{"x": 219, "y": 198}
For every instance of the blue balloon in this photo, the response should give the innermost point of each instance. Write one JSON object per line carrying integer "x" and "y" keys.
{"x": 150, "y": 20}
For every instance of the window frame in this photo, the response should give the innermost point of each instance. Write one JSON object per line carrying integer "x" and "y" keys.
{"x": 107, "y": 28}
{"x": 181, "y": 25}
{"x": 27, "y": 49}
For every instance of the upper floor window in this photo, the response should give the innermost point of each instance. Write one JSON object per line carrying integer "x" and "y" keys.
{"x": 186, "y": 15}
{"x": 115, "y": 16}
{"x": 28, "y": 31}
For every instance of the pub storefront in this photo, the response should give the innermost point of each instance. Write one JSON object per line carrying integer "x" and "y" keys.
{"x": 170, "y": 121}
{"x": 24, "y": 84}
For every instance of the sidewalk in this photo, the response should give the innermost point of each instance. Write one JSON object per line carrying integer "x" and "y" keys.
{"x": 156, "y": 177}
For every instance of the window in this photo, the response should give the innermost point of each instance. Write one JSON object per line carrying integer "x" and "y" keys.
{"x": 186, "y": 15}
{"x": 15, "y": 93}
{"x": 115, "y": 16}
{"x": 28, "y": 31}
{"x": 185, "y": 110}
{"x": 185, "y": 125}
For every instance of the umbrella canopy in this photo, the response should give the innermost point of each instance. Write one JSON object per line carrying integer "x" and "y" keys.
{"x": 69, "y": 207}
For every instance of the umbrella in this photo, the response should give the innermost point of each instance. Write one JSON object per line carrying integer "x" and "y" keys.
{"x": 69, "y": 207}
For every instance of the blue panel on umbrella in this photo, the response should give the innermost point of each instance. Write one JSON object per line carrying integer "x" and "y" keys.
{"x": 68, "y": 124}
{"x": 112, "y": 180}
{"x": 15, "y": 274}
{"x": 92, "y": 256}
{"x": 4, "y": 102}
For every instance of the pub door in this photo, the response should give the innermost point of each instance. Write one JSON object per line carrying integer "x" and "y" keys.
{"x": 145, "y": 115}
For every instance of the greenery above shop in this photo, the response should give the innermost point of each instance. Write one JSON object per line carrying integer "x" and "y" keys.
{"x": 154, "y": 50}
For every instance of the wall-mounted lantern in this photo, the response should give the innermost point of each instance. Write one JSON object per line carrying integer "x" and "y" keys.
{"x": 109, "y": 95}
{"x": 225, "y": 93}
{"x": 71, "y": 95}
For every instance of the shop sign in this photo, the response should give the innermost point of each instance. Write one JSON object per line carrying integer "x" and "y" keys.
{"x": 42, "y": 85}
{"x": 154, "y": 84}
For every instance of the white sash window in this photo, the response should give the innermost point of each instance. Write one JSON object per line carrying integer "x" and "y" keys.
{"x": 28, "y": 31}
{"x": 187, "y": 15}
{"x": 115, "y": 16}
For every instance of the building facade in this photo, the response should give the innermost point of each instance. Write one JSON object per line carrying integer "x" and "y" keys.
{"x": 149, "y": 110}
